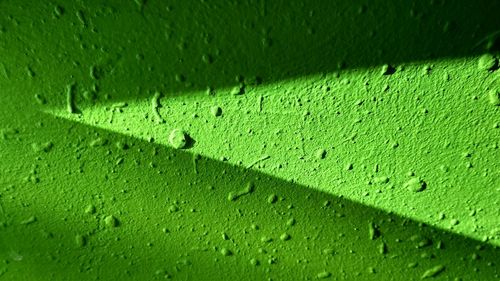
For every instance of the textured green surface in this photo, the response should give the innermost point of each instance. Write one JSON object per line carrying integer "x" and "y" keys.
{"x": 249, "y": 140}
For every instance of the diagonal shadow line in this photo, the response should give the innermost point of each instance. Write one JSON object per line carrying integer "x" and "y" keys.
{"x": 190, "y": 45}
{"x": 160, "y": 131}
{"x": 155, "y": 187}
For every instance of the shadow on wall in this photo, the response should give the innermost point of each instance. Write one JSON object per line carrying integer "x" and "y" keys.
{"x": 134, "y": 48}
{"x": 187, "y": 217}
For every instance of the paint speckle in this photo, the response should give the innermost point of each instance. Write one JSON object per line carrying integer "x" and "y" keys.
{"x": 321, "y": 154}
{"x": 226, "y": 252}
{"x": 323, "y": 275}
{"x": 381, "y": 180}
{"x": 216, "y": 111}
{"x": 285, "y": 237}
{"x": 80, "y": 240}
{"x": 494, "y": 97}
{"x": 415, "y": 185}
{"x": 271, "y": 199}
{"x": 178, "y": 139}
{"x": 111, "y": 221}
{"x": 433, "y": 272}
{"x": 233, "y": 196}
{"x": 70, "y": 99}
{"x": 387, "y": 69}
{"x": 487, "y": 62}
{"x": 90, "y": 209}
{"x": 155, "y": 106}
{"x": 238, "y": 90}
{"x": 29, "y": 220}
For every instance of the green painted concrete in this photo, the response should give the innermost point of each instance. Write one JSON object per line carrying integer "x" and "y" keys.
{"x": 252, "y": 140}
